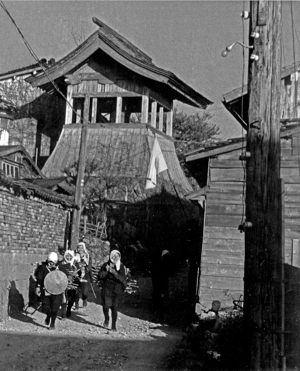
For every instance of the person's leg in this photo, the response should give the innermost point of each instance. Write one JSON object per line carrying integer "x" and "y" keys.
{"x": 46, "y": 308}
{"x": 55, "y": 301}
{"x": 84, "y": 293}
{"x": 114, "y": 317}
{"x": 71, "y": 301}
{"x": 106, "y": 316}
{"x": 64, "y": 305}
{"x": 77, "y": 297}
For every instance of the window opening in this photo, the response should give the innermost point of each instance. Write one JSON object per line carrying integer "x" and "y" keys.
{"x": 131, "y": 110}
{"x": 77, "y": 113}
{"x": 165, "y": 122}
{"x": 106, "y": 110}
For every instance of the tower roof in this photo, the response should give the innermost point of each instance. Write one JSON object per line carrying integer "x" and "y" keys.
{"x": 125, "y": 53}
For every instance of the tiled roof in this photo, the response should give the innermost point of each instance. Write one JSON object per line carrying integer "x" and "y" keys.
{"x": 28, "y": 189}
{"x": 20, "y": 71}
{"x": 54, "y": 184}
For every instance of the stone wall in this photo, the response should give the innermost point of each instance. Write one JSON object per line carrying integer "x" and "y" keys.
{"x": 29, "y": 229}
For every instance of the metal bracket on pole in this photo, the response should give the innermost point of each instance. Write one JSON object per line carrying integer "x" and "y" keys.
{"x": 245, "y": 225}
{"x": 255, "y": 124}
{"x": 245, "y": 156}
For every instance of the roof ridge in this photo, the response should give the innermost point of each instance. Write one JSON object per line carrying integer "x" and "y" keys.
{"x": 121, "y": 38}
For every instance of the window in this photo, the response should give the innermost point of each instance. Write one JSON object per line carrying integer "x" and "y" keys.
{"x": 131, "y": 109}
{"x": 10, "y": 170}
{"x": 106, "y": 110}
{"x": 77, "y": 113}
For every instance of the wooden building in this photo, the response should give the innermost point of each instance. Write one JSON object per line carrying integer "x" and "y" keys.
{"x": 27, "y": 117}
{"x": 15, "y": 162}
{"x": 221, "y": 174}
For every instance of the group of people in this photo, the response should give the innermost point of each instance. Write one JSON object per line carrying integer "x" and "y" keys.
{"x": 73, "y": 276}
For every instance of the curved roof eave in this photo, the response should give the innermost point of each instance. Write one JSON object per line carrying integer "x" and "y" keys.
{"x": 98, "y": 41}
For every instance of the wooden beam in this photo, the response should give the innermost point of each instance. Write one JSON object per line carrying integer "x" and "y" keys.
{"x": 119, "y": 110}
{"x": 111, "y": 94}
{"x": 153, "y": 113}
{"x": 215, "y": 151}
{"x": 80, "y": 175}
{"x": 145, "y": 109}
{"x": 69, "y": 105}
{"x": 169, "y": 130}
{"x": 94, "y": 110}
{"x": 161, "y": 118}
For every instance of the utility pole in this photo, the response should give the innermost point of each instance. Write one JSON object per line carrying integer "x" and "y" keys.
{"x": 80, "y": 176}
{"x": 263, "y": 258}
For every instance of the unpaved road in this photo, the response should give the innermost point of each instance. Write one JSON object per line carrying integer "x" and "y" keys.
{"x": 81, "y": 343}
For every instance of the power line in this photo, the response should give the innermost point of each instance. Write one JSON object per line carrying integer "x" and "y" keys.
{"x": 36, "y": 58}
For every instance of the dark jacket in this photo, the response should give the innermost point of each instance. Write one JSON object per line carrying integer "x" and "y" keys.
{"x": 40, "y": 274}
{"x": 72, "y": 272}
{"x": 112, "y": 283}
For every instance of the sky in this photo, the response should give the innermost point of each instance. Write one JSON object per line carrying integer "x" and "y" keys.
{"x": 185, "y": 37}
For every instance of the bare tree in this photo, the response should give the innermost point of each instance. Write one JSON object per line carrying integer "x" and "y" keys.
{"x": 16, "y": 94}
{"x": 193, "y": 131}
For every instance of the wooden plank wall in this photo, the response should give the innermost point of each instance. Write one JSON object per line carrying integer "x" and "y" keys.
{"x": 290, "y": 173}
{"x": 222, "y": 261}
{"x": 289, "y": 93}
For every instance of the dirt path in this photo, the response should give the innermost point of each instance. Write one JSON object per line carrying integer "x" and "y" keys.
{"x": 81, "y": 343}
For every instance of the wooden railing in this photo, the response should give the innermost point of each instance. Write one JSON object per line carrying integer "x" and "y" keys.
{"x": 98, "y": 230}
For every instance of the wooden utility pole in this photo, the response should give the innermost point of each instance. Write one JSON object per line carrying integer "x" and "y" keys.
{"x": 263, "y": 194}
{"x": 80, "y": 176}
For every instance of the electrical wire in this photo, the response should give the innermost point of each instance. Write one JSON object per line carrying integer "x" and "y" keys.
{"x": 37, "y": 59}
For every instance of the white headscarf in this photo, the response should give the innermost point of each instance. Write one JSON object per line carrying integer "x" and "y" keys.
{"x": 86, "y": 254}
{"x": 69, "y": 252}
{"x": 116, "y": 255}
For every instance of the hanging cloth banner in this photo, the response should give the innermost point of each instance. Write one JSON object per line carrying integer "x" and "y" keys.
{"x": 157, "y": 165}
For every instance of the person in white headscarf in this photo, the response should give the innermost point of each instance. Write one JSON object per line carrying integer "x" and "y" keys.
{"x": 71, "y": 268}
{"x": 50, "y": 303}
{"x": 112, "y": 278}
{"x": 83, "y": 259}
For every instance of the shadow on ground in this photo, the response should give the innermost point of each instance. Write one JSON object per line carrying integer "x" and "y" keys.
{"x": 51, "y": 352}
